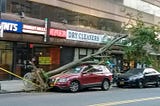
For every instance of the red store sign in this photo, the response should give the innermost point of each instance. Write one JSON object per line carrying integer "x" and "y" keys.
{"x": 57, "y": 33}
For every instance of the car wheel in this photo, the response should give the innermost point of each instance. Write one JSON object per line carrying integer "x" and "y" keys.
{"x": 105, "y": 85}
{"x": 74, "y": 86}
{"x": 140, "y": 84}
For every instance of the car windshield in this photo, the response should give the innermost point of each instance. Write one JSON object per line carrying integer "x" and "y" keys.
{"x": 135, "y": 71}
{"x": 74, "y": 70}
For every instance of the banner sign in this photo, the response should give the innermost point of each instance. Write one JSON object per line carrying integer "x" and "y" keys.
{"x": 33, "y": 29}
{"x": 1, "y": 30}
{"x": 82, "y": 36}
{"x": 57, "y": 33}
{"x": 11, "y": 26}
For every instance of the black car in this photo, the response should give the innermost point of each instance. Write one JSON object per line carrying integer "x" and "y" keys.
{"x": 139, "y": 78}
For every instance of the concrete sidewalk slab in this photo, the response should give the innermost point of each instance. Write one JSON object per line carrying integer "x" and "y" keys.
{"x": 10, "y": 86}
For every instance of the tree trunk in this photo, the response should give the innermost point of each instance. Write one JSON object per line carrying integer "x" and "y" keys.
{"x": 74, "y": 63}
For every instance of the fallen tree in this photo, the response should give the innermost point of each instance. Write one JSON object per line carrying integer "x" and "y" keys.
{"x": 103, "y": 49}
{"x": 40, "y": 77}
{"x": 43, "y": 77}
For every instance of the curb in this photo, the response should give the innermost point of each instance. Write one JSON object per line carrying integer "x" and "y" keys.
{"x": 5, "y": 92}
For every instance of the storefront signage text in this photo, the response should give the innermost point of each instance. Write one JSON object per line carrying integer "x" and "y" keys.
{"x": 1, "y": 30}
{"x": 33, "y": 29}
{"x": 11, "y": 26}
{"x": 82, "y": 36}
{"x": 44, "y": 60}
{"x": 57, "y": 33}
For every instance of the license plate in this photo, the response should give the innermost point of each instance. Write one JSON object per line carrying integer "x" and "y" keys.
{"x": 121, "y": 83}
{"x": 52, "y": 84}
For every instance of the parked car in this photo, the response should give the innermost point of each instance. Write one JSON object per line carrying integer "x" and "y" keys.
{"x": 139, "y": 78}
{"x": 83, "y": 76}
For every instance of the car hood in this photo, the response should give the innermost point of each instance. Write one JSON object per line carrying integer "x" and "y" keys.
{"x": 65, "y": 75}
{"x": 128, "y": 75}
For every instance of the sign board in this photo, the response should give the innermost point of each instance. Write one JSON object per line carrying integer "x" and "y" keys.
{"x": 11, "y": 26}
{"x": 83, "y": 36}
{"x": 33, "y": 29}
{"x": 57, "y": 33}
{"x": 1, "y": 30}
{"x": 44, "y": 60}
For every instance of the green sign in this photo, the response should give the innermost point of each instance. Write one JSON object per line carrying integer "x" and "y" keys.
{"x": 44, "y": 60}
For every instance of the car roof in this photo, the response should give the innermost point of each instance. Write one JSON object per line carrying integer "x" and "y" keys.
{"x": 146, "y": 69}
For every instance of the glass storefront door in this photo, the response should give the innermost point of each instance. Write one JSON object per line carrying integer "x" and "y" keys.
{"x": 22, "y": 57}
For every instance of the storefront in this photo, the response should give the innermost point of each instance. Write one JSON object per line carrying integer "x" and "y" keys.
{"x": 25, "y": 42}
{"x": 81, "y": 44}
{"x": 7, "y": 46}
{"x": 22, "y": 43}
{"x": 43, "y": 54}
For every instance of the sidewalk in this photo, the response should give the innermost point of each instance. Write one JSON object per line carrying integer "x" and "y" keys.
{"x": 12, "y": 86}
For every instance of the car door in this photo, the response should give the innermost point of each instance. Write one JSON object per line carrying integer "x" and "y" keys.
{"x": 88, "y": 77}
{"x": 98, "y": 73}
{"x": 151, "y": 76}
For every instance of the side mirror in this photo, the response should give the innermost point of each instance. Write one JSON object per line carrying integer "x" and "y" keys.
{"x": 146, "y": 73}
{"x": 84, "y": 72}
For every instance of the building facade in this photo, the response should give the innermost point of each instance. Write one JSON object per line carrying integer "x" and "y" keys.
{"x": 52, "y": 33}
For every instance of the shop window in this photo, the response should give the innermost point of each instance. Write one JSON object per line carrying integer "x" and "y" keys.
{"x": 62, "y": 15}
{"x": 82, "y": 53}
{"x": 47, "y": 58}
{"x": 5, "y": 59}
{"x": 3, "y": 5}
{"x": 5, "y": 53}
{"x": 17, "y": 6}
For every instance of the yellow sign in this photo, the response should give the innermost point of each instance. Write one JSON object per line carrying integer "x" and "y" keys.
{"x": 44, "y": 60}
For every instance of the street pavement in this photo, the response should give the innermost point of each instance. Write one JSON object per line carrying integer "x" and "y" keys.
{"x": 15, "y": 86}
{"x": 11, "y": 86}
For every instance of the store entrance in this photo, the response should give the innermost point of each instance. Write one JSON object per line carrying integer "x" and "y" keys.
{"x": 23, "y": 56}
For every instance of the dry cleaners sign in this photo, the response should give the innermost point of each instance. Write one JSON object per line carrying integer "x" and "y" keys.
{"x": 11, "y": 26}
{"x": 82, "y": 36}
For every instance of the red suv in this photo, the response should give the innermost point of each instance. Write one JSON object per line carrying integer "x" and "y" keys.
{"x": 80, "y": 77}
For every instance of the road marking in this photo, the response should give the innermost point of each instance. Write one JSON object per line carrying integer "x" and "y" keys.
{"x": 125, "y": 101}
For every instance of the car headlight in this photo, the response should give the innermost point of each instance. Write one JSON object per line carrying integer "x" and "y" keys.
{"x": 133, "y": 78}
{"x": 136, "y": 77}
{"x": 62, "y": 80}
{"x": 52, "y": 80}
